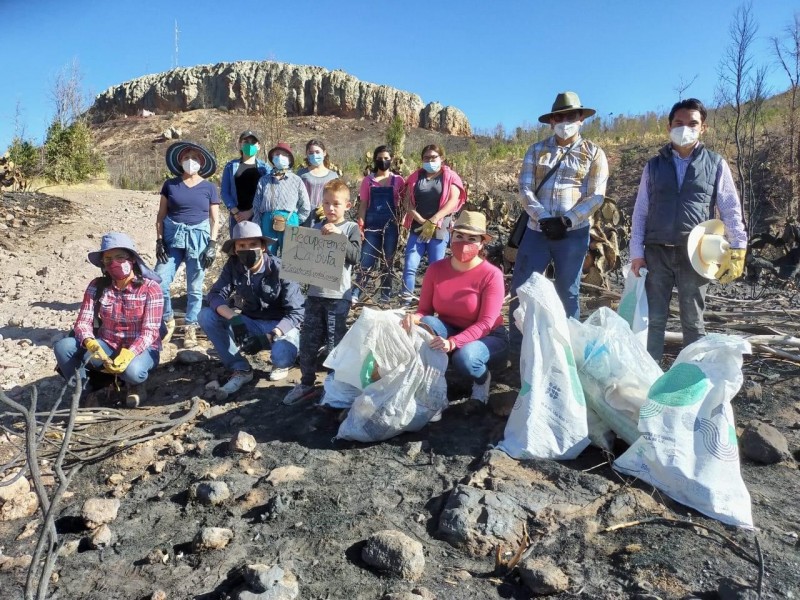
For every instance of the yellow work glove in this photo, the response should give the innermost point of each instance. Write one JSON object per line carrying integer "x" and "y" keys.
{"x": 95, "y": 349}
{"x": 121, "y": 362}
{"x": 320, "y": 212}
{"x": 427, "y": 231}
{"x": 732, "y": 266}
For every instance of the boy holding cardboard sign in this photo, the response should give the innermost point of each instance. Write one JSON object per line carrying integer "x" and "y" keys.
{"x": 327, "y": 309}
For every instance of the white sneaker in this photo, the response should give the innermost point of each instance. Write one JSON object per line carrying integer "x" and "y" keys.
{"x": 237, "y": 380}
{"x": 299, "y": 393}
{"x": 480, "y": 391}
{"x": 278, "y": 373}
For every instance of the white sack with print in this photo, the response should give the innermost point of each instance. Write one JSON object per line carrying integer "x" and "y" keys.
{"x": 688, "y": 447}
{"x": 549, "y": 417}
{"x": 633, "y": 304}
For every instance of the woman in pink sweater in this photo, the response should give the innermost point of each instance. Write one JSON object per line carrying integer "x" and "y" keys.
{"x": 460, "y": 303}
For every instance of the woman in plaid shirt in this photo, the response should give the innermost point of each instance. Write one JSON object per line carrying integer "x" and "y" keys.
{"x": 117, "y": 330}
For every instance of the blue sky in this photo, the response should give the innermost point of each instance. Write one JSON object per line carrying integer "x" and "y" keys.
{"x": 499, "y": 62}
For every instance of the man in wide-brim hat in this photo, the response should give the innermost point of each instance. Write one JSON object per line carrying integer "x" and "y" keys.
{"x": 681, "y": 188}
{"x": 563, "y": 182}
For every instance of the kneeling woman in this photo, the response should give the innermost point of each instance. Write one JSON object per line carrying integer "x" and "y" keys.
{"x": 460, "y": 302}
{"x": 119, "y": 319}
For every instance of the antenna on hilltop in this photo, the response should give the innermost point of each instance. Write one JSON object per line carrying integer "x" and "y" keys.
{"x": 175, "y": 57}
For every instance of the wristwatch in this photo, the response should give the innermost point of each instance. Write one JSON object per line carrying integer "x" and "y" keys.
{"x": 234, "y": 211}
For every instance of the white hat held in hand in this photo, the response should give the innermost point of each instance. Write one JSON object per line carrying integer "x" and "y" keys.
{"x": 707, "y": 247}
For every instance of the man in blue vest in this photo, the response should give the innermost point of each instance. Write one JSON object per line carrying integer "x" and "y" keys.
{"x": 681, "y": 187}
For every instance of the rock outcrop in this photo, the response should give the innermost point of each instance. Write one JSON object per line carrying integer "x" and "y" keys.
{"x": 247, "y": 85}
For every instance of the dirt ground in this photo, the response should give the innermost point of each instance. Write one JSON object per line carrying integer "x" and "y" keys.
{"x": 314, "y": 524}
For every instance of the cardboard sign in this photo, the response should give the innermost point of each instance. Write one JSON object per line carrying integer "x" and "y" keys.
{"x": 310, "y": 257}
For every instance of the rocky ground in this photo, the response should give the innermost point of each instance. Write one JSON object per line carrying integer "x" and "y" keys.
{"x": 253, "y": 499}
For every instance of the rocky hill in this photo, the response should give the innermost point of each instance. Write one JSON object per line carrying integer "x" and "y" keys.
{"x": 247, "y": 85}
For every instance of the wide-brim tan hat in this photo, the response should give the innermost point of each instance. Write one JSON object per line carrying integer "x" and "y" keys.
{"x": 707, "y": 247}
{"x": 245, "y": 230}
{"x": 567, "y": 102}
{"x": 472, "y": 222}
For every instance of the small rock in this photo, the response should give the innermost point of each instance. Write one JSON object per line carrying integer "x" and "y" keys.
{"x": 26, "y": 272}
{"x": 210, "y": 492}
{"x": 176, "y": 448}
{"x": 7, "y": 563}
{"x": 753, "y": 391}
{"x": 190, "y": 357}
{"x": 243, "y": 442}
{"x": 270, "y": 583}
{"x": 69, "y": 548}
{"x": 157, "y": 557}
{"x": 543, "y": 577}
{"x": 158, "y": 466}
{"x": 29, "y": 530}
{"x": 99, "y": 511}
{"x": 763, "y": 443}
{"x": 101, "y": 537}
{"x": 159, "y": 595}
{"x": 412, "y": 449}
{"x": 393, "y": 551}
{"x": 115, "y": 479}
{"x": 16, "y": 490}
{"x": 461, "y": 575}
{"x": 211, "y": 538}
{"x": 20, "y": 507}
{"x": 286, "y": 474}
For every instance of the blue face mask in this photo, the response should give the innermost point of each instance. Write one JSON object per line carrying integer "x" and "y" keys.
{"x": 432, "y": 166}
{"x": 280, "y": 161}
{"x": 315, "y": 159}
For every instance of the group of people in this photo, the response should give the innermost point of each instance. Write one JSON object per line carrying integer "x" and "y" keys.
{"x": 127, "y": 312}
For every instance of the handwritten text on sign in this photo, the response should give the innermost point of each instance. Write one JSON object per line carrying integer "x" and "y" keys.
{"x": 310, "y": 257}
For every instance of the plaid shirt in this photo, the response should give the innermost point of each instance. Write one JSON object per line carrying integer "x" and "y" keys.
{"x": 574, "y": 191}
{"x": 130, "y": 318}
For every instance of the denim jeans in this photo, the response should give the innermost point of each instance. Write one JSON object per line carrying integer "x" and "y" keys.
{"x": 378, "y": 247}
{"x": 325, "y": 322}
{"x": 283, "y": 352}
{"x": 415, "y": 250}
{"x": 669, "y": 267}
{"x": 70, "y": 357}
{"x": 195, "y": 275}
{"x": 534, "y": 255}
{"x": 473, "y": 360}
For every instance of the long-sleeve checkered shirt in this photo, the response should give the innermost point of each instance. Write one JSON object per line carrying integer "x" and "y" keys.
{"x": 730, "y": 210}
{"x": 285, "y": 193}
{"x": 574, "y": 191}
{"x": 130, "y": 318}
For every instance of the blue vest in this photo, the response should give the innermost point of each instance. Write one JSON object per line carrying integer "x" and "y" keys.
{"x": 673, "y": 212}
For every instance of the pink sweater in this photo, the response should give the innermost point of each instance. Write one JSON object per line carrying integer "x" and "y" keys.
{"x": 369, "y": 182}
{"x": 468, "y": 300}
{"x": 449, "y": 178}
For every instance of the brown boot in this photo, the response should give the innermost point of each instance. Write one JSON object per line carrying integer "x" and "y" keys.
{"x": 170, "y": 330}
{"x": 136, "y": 395}
{"x": 190, "y": 336}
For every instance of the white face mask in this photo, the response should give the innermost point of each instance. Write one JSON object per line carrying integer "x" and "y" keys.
{"x": 190, "y": 166}
{"x": 567, "y": 130}
{"x": 684, "y": 136}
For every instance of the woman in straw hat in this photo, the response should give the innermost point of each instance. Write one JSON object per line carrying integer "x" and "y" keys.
{"x": 460, "y": 303}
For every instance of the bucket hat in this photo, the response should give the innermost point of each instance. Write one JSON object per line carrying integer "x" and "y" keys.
{"x": 472, "y": 222}
{"x": 566, "y": 102}
{"x": 114, "y": 240}
{"x": 286, "y": 148}
{"x": 707, "y": 247}
{"x": 246, "y": 230}
{"x": 173, "y": 156}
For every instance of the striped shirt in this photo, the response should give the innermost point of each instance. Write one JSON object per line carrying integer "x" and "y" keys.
{"x": 287, "y": 193}
{"x": 728, "y": 206}
{"x": 574, "y": 191}
{"x": 130, "y": 318}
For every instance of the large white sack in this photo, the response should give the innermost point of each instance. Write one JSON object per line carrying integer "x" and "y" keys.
{"x": 615, "y": 371}
{"x": 688, "y": 448}
{"x": 633, "y": 305}
{"x": 549, "y": 417}
{"x": 407, "y": 395}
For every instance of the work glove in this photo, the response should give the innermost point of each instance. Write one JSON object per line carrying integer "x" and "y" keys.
{"x": 238, "y": 329}
{"x": 95, "y": 349}
{"x": 320, "y": 212}
{"x": 209, "y": 254}
{"x": 121, "y": 362}
{"x": 161, "y": 252}
{"x": 732, "y": 265}
{"x": 553, "y": 228}
{"x": 427, "y": 231}
{"x": 256, "y": 343}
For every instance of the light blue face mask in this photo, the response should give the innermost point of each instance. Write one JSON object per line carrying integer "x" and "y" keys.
{"x": 280, "y": 161}
{"x": 432, "y": 166}
{"x": 315, "y": 159}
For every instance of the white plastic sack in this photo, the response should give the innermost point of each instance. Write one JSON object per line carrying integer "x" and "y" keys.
{"x": 406, "y": 396}
{"x": 549, "y": 417}
{"x": 338, "y": 394}
{"x": 633, "y": 304}
{"x": 615, "y": 371}
{"x": 688, "y": 447}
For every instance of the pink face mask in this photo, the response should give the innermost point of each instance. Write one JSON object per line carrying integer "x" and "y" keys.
{"x": 465, "y": 251}
{"x": 119, "y": 269}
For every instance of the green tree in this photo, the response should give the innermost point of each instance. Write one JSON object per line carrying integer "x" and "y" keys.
{"x": 69, "y": 153}
{"x": 396, "y": 136}
{"x": 25, "y": 157}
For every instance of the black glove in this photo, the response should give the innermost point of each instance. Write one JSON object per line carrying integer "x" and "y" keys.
{"x": 161, "y": 252}
{"x": 238, "y": 330}
{"x": 256, "y": 343}
{"x": 209, "y": 254}
{"x": 553, "y": 228}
